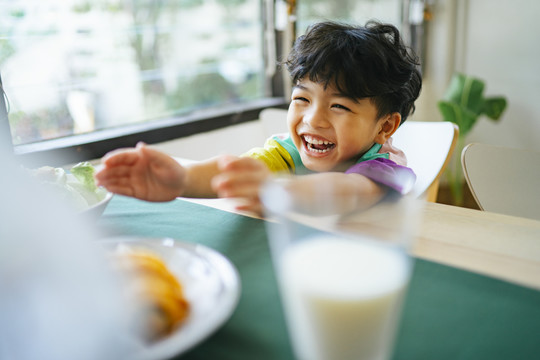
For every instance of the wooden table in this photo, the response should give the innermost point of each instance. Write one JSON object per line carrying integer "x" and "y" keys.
{"x": 501, "y": 246}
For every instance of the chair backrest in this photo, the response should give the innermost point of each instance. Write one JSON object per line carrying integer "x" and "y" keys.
{"x": 503, "y": 180}
{"x": 427, "y": 145}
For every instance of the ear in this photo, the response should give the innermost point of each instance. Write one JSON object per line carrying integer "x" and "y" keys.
{"x": 387, "y": 127}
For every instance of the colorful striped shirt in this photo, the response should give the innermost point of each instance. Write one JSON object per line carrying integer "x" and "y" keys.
{"x": 383, "y": 164}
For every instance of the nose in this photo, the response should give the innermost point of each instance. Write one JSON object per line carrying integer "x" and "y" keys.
{"x": 316, "y": 118}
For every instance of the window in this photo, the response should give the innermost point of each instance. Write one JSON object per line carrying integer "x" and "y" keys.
{"x": 81, "y": 66}
{"x": 310, "y": 11}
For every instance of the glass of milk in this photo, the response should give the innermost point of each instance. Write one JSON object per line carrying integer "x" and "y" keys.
{"x": 343, "y": 267}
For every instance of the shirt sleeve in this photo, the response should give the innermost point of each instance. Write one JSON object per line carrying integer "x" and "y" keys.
{"x": 274, "y": 155}
{"x": 386, "y": 172}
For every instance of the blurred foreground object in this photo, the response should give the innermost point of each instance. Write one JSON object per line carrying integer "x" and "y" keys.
{"x": 343, "y": 267}
{"x": 57, "y": 300}
{"x": 76, "y": 187}
{"x": 161, "y": 295}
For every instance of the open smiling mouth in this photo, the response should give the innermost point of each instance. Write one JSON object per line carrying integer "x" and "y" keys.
{"x": 317, "y": 145}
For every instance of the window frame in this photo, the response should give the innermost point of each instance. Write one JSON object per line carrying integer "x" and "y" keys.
{"x": 82, "y": 147}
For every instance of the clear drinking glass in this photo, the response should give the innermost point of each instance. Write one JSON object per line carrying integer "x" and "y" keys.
{"x": 343, "y": 267}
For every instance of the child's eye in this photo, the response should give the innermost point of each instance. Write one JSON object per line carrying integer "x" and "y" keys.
{"x": 341, "y": 107}
{"x": 300, "y": 98}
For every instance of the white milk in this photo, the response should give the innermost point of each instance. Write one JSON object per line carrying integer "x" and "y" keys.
{"x": 342, "y": 297}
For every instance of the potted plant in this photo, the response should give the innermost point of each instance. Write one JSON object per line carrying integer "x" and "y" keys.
{"x": 463, "y": 103}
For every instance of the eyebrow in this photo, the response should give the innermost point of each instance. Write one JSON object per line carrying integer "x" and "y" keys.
{"x": 340, "y": 95}
{"x": 336, "y": 94}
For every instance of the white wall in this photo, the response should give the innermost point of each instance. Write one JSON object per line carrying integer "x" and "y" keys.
{"x": 503, "y": 47}
{"x": 499, "y": 42}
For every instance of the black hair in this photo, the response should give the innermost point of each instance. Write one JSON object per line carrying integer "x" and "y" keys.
{"x": 361, "y": 62}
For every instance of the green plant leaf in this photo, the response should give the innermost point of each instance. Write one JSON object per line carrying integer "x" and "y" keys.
{"x": 472, "y": 98}
{"x": 453, "y": 91}
{"x": 466, "y": 91}
{"x": 494, "y": 107}
{"x": 462, "y": 117}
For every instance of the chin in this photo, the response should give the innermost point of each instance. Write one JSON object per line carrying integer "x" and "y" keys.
{"x": 317, "y": 166}
{"x": 324, "y": 166}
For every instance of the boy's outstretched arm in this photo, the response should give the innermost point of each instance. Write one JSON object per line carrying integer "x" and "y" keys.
{"x": 148, "y": 174}
{"x": 243, "y": 178}
{"x": 337, "y": 193}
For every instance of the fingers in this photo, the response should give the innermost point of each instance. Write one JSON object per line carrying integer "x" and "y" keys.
{"x": 251, "y": 206}
{"x": 117, "y": 166}
{"x": 127, "y": 156}
{"x": 244, "y": 189}
{"x": 153, "y": 156}
{"x": 240, "y": 177}
{"x": 120, "y": 163}
{"x": 117, "y": 173}
{"x": 121, "y": 190}
{"x": 233, "y": 163}
{"x": 108, "y": 174}
{"x": 117, "y": 180}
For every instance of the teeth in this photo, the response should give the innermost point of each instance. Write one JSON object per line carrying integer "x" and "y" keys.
{"x": 319, "y": 150}
{"x": 314, "y": 141}
{"x": 311, "y": 142}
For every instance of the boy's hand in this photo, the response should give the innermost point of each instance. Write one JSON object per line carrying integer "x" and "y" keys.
{"x": 241, "y": 177}
{"x": 143, "y": 173}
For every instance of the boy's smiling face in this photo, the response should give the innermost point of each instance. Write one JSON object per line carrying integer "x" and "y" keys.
{"x": 330, "y": 130}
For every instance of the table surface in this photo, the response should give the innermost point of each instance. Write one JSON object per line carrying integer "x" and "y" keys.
{"x": 474, "y": 293}
{"x": 501, "y": 246}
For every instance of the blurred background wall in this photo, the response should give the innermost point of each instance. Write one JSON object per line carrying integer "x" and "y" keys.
{"x": 498, "y": 42}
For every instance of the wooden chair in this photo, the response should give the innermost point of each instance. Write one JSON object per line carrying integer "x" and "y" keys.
{"x": 503, "y": 180}
{"x": 427, "y": 145}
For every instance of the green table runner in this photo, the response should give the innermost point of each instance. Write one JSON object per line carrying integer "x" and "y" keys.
{"x": 448, "y": 313}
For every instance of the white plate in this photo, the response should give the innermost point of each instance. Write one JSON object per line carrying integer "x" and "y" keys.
{"x": 211, "y": 285}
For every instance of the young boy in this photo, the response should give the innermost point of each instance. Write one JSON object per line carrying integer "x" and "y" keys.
{"x": 353, "y": 87}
